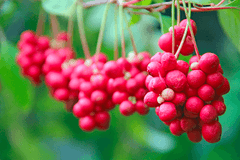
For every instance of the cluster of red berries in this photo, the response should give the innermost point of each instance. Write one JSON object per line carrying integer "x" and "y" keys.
{"x": 31, "y": 55}
{"x": 165, "y": 41}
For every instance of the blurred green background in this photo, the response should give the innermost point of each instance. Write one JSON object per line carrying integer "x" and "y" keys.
{"x": 35, "y": 126}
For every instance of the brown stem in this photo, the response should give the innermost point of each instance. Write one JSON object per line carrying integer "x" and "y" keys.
{"x": 130, "y": 3}
{"x": 209, "y": 9}
{"x": 55, "y": 25}
{"x": 40, "y": 24}
{"x": 116, "y": 34}
{"x": 70, "y": 31}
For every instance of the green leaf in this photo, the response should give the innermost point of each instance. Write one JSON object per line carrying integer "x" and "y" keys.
{"x": 165, "y": 21}
{"x": 59, "y": 7}
{"x": 230, "y": 22}
{"x": 202, "y": 1}
{"x": 134, "y": 19}
{"x": 144, "y": 3}
{"x": 235, "y": 3}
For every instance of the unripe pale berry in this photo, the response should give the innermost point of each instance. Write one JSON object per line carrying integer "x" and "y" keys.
{"x": 196, "y": 78}
{"x": 157, "y": 85}
{"x": 194, "y": 105}
{"x": 167, "y": 111}
{"x": 87, "y": 123}
{"x": 211, "y": 132}
{"x": 195, "y": 135}
{"x": 141, "y": 108}
{"x": 215, "y": 80}
{"x": 150, "y": 99}
{"x": 193, "y": 59}
{"x": 127, "y": 108}
{"x": 209, "y": 63}
{"x": 224, "y": 89}
{"x": 168, "y": 94}
{"x": 187, "y": 124}
{"x": 182, "y": 66}
{"x": 175, "y": 128}
{"x": 208, "y": 113}
{"x": 176, "y": 80}
{"x": 195, "y": 66}
{"x": 206, "y": 92}
{"x": 219, "y": 106}
{"x": 168, "y": 61}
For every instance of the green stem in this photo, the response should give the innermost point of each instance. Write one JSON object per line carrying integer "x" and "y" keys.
{"x": 191, "y": 30}
{"x": 81, "y": 30}
{"x": 161, "y": 23}
{"x": 173, "y": 21}
{"x": 178, "y": 12}
{"x": 101, "y": 33}
{"x": 54, "y": 24}
{"x": 116, "y": 34}
{"x": 189, "y": 8}
{"x": 131, "y": 36}
{"x": 70, "y": 28}
{"x": 182, "y": 41}
{"x": 40, "y": 24}
{"x": 122, "y": 28}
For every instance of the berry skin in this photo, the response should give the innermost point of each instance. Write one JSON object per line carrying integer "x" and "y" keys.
{"x": 112, "y": 70}
{"x": 206, "y": 92}
{"x": 150, "y": 99}
{"x": 165, "y": 42}
{"x": 193, "y": 59}
{"x": 179, "y": 99}
{"x": 102, "y": 118}
{"x": 176, "y": 80}
{"x": 127, "y": 108}
{"x": 132, "y": 86}
{"x": 157, "y": 57}
{"x": 211, "y": 132}
{"x": 194, "y": 105}
{"x": 187, "y": 124}
{"x": 183, "y": 23}
{"x": 141, "y": 108}
{"x": 153, "y": 68}
{"x": 87, "y": 123}
{"x": 175, "y": 128}
{"x": 140, "y": 93}
{"x": 140, "y": 79}
{"x": 157, "y": 85}
{"x": 187, "y": 47}
{"x": 196, "y": 78}
{"x": 167, "y": 112}
{"x": 119, "y": 97}
{"x": 83, "y": 107}
{"x": 61, "y": 94}
{"x": 190, "y": 92}
{"x": 168, "y": 94}
{"x": 99, "y": 81}
{"x": 55, "y": 80}
{"x": 224, "y": 89}
{"x": 195, "y": 135}
{"x": 168, "y": 61}
{"x": 215, "y": 80}
{"x": 86, "y": 88}
{"x": 209, "y": 63}
{"x": 99, "y": 97}
{"x": 182, "y": 66}
{"x": 123, "y": 63}
{"x": 178, "y": 32}
{"x": 208, "y": 114}
{"x": 147, "y": 81}
{"x": 119, "y": 84}
{"x": 219, "y": 106}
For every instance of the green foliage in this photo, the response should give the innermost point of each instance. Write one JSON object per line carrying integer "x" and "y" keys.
{"x": 134, "y": 19}
{"x": 165, "y": 21}
{"x": 230, "y": 22}
{"x": 201, "y": 1}
{"x": 144, "y": 2}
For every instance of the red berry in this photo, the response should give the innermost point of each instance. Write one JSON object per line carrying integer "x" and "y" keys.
{"x": 224, "y": 89}
{"x": 179, "y": 99}
{"x": 168, "y": 61}
{"x": 176, "y": 80}
{"x": 175, "y": 128}
{"x": 165, "y": 42}
{"x": 154, "y": 68}
{"x": 167, "y": 111}
{"x": 99, "y": 97}
{"x": 119, "y": 97}
{"x": 99, "y": 57}
{"x": 219, "y": 106}
{"x": 215, "y": 80}
{"x": 140, "y": 79}
{"x": 182, "y": 66}
{"x": 75, "y": 83}
{"x": 140, "y": 93}
{"x": 87, "y": 123}
{"x": 209, "y": 63}
{"x": 157, "y": 57}
{"x": 187, "y": 124}
{"x": 208, "y": 113}
{"x": 178, "y": 32}
{"x": 127, "y": 108}
{"x": 190, "y": 92}
{"x": 132, "y": 86}
{"x": 56, "y": 80}
{"x": 183, "y": 23}
{"x": 211, "y": 132}
{"x": 83, "y": 107}
{"x": 188, "y": 47}
{"x": 193, "y": 59}
{"x": 99, "y": 81}
{"x": 194, "y": 105}
{"x": 206, "y": 92}
{"x": 102, "y": 118}
{"x": 61, "y": 94}
{"x": 124, "y": 64}
{"x": 112, "y": 70}
{"x": 157, "y": 85}
{"x": 195, "y": 135}
{"x": 150, "y": 99}
{"x": 147, "y": 81}
{"x": 196, "y": 78}
{"x": 141, "y": 108}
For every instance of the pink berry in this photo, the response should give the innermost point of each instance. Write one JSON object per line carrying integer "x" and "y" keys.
{"x": 150, "y": 99}
{"x": 99, "y": 81}
{"x": 110, "y": 86}
{"x": 38, "y": 58}
{"x": 74, "y": 83}
{"x": 134, "y": 71}
{"x": 102, "y": 118}
{"x": 87, "y": 123}
{"x": 147, "y": 81}
{"x": 144, "y": 64}
{"x": 165, "y": 42}
{"x": 99, "y": 57}
{"x": 209, "y": 63}
{"x": 183, "y": 23}
{"x": 157, "y": 57}
{"x": 119, "y": 84}
{"x": 215, "y": 80}
{"x": 153, "y": 68}
{"x": 168, "y": 61}
{"x": 141, "y": 108}
{"x": 219, "y": 106}
{"x": 224, "y": 89}
{"x": 193, "y": 59}
{"x": 99, "y": 97}
{"x": 187, "y": 124}
{"x": 61, "y": 94}
{"x": 188, "y": 47}
{"x": 175, "y": 128}
{"x": 43, "y": 43}
{"x": 208, "y": 114}
{"x": 179, "y": 99}
{"x": 190, "y": 92}
{"x": 168, "y": 94}
{"x": 167, "y": 111}
{"x": 86, "y": 87}
{"x": 196, "y": 78}
{"x": 157, "y": 110}
{"x": 140, "y": 78}
{"x": 178, "y": 32}
{"x": 83, "y": 107}
{"x": 182, "y": 66}
{"x": 54, "y": 62}
{"x": 157, "y": 85}
{"x": 119, "y": 97}
{"x": 127, "y": 108}
{"x": 55, "y": 80}
{"x": 112, "y": 70}
{"x": 34, "y": 71}
{"x": 132, "y": 86}
{"x": 176, "y": 80}
{"x": 124, "y": 64}
{"x": 195, "y": 135}
{"x": 211, "y": 132}
{"x": 194, "y": 105}
{"x": 140, "y": 93}
{"x": 206, "y": 92}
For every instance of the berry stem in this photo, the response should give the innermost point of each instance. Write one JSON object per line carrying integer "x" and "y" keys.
{"x": 116, "y": 34}
{"x": 191, "y": 30}
{"x": 70, "y": 28}
{"x": 101, "y": 33}
{"x": 161, "y": 23}
{"x": 182, "y": 41}
{"x": 178, "y": 12}
{"x": 122, "y": 29}
{"x": 130, "y": 2}
{"x": 55, "y": 25}
{"x": 189, "y": 10}
{"x": 81, "y": 30}
{"x": 131, "y": 36}
{"x": 40, "y": 24}
{"x": 173, "y": 20}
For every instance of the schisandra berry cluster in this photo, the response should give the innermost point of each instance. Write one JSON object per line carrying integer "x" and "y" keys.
{"x": 188, "y": 101}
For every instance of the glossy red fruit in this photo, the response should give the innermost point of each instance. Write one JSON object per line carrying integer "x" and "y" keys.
{"x": 165, "y": 42}
{"x": 168, "y": 61}
{"x": 102, "y": 118}
{"x": 61, "y": 94}
{"x": 150, "y": 99}
{"x": 219, "y": 106}
{"x": 194, "y": 105}
{"x": 208, "y": 114}
{"x": 157, "y": 85}
{"x": 206, "y": 93}
{"x": 215, "y": 80}
{"x": 224, "y": 89}
{"x": 196, "y": 78}
{"x": 99, "y": 97}
{"x": 176, "y": 80}
{"x": 87, "y": 123}
{"x": 183, "y": 23}
{"x": 127, "y": 108}
{"x": 141, "y": 108}
{"x": 167, "y": 111}
{"x": 182, "y": 66}
{"x": 209, "y": 63}
{"x": 175, "y": 128}
{"x": 188, "y": 47}
{"x": 211, "y": 132}
{"x": 187, "y": 124}
{"x": 195, "y": 135}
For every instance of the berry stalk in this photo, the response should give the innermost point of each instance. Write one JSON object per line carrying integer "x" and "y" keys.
{"x": 178, "y": 12}
{"x": 100, "y": 36}
{"x": 182, "y": 41}
{"x": 191, "y": 30}
{"x": 116, "y": 34}
{"x": 173, "y": 20}
{"x": 81, "y": 30}
{"x": 131, "y": 36}
{"x": 55, "y": 25}
{"x": 70, "y": 28}
{"x": 40, "y": 24}
{"x": 122, "y": 29}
